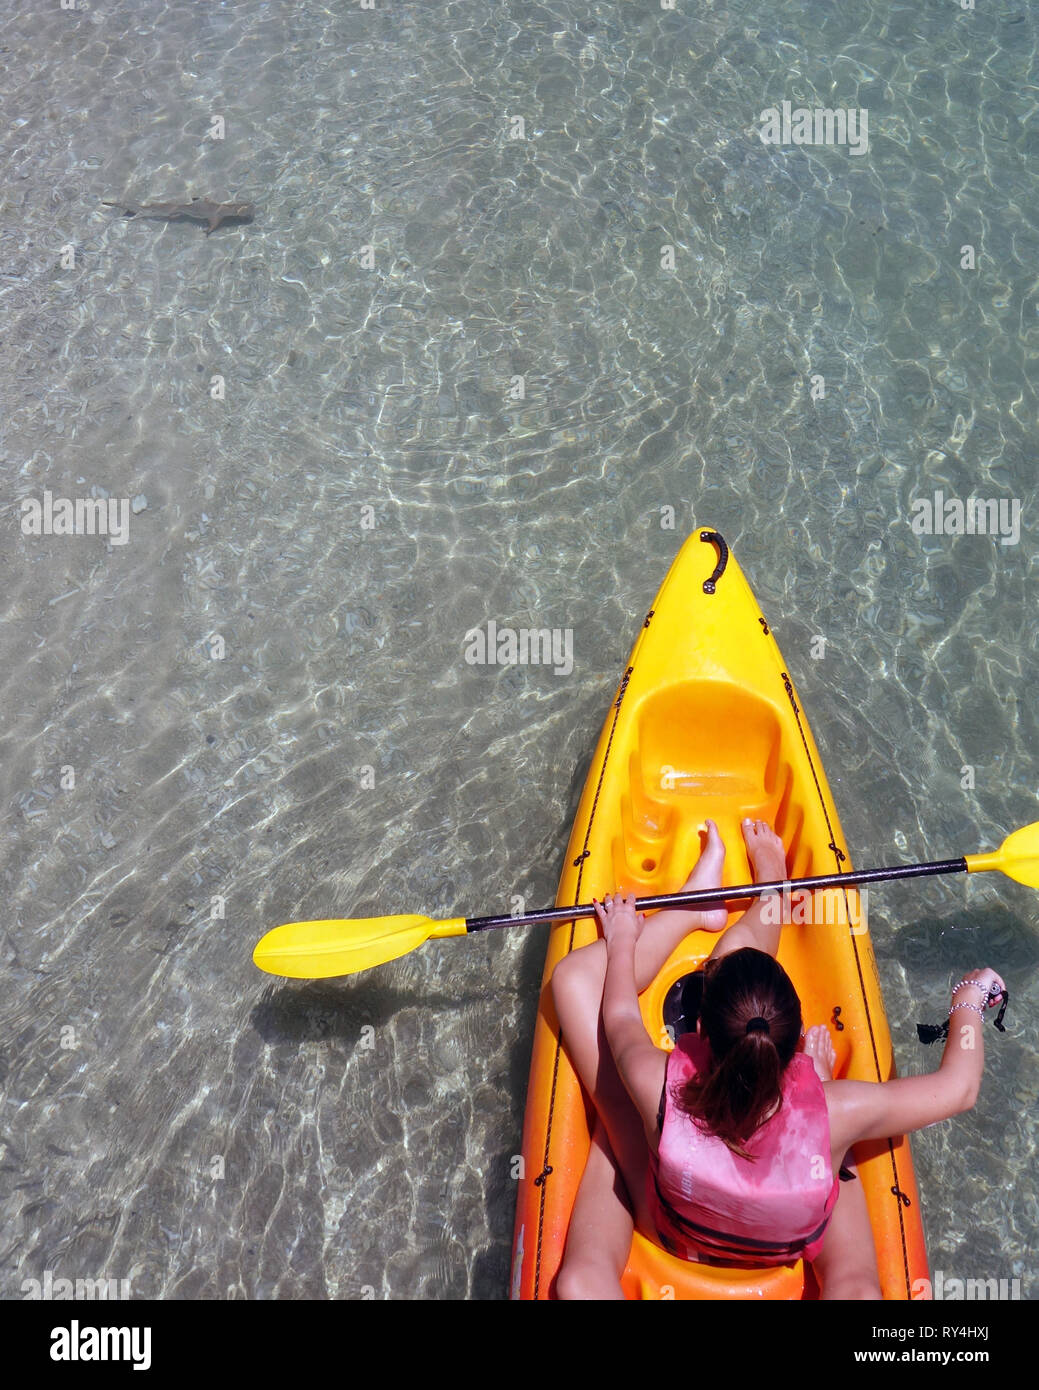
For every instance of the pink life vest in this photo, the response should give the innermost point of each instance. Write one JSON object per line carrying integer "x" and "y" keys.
{"x": 712, "y": 1206}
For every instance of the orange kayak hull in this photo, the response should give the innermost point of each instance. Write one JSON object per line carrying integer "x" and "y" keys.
{"x": 707, "y": 723}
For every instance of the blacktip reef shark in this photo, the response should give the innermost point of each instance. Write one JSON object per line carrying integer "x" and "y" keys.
{"x": 198, "y": 210}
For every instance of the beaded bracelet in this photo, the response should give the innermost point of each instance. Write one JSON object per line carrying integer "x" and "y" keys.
{"x": 931, "y": 1032}
{"x": 976, "y": 983}
{"x": 973, "y": 1008}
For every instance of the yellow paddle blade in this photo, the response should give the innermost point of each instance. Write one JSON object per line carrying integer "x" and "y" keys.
{"x": 1017, "y": 857}
{"x": 317, "y": 950}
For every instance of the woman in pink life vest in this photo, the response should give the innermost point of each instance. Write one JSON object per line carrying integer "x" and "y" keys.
{"x": 729, "y": 1149}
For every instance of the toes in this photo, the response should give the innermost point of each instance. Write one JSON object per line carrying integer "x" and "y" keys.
{"x": 710, "y": 838}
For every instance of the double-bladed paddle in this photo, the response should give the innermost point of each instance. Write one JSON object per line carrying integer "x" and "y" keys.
{"x": 318, "y": 950}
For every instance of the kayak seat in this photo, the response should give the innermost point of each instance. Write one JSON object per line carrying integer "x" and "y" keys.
{"x": 658, "y": 1275}
{"x": 685, "y": 753}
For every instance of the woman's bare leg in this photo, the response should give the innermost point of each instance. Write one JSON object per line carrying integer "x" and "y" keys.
{"x": 663, "y": 930}
{"x": 847, "y": 1264}
{"x": 601, "y": 1227}
{"x": 590, "y": 1053}
{"x": 846, "y": 1267}
{"x": 577, "y": 988}
{"x": 761, "y": 925}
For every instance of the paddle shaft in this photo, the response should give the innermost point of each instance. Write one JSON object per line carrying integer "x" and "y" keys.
{"x": 716, "y": 895}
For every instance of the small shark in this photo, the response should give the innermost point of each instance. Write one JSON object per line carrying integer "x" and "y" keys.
{"x": 199, "y": 210}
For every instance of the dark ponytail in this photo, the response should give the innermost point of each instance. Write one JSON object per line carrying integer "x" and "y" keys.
{"x": 751, "y": 1017}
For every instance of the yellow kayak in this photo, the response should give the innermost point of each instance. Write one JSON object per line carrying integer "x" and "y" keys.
{"x": 707, "y": 722}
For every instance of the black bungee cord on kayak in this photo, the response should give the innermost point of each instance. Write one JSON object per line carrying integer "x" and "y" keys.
{"x": 931, "y": 1032}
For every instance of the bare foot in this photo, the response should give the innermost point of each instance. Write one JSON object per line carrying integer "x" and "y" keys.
{"x": 765, "y": 851}
{"x": 708, "y": 874}
{"x": 819, "y": 1046}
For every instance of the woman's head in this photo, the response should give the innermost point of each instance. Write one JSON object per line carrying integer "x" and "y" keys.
{"x": 751, "y": 1017}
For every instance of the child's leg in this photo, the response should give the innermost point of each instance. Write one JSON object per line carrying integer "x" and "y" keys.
{"x": 601, "y": 1226}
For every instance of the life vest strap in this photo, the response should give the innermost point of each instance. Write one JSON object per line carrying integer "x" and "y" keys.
{"x": 726, "y": 1242}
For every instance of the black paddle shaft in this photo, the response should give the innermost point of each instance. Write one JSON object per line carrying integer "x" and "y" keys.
{"x": 717, "y": 895}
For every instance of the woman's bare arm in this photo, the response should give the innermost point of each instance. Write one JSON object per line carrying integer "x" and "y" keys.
{"x": 641, "y": 1064}
{"x": 861, "y": 1110}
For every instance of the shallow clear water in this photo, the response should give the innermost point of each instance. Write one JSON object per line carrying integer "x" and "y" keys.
{"x": 206, "y": 1131}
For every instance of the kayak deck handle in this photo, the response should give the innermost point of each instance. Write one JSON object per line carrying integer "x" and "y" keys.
{"x": 715, "y": 538}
